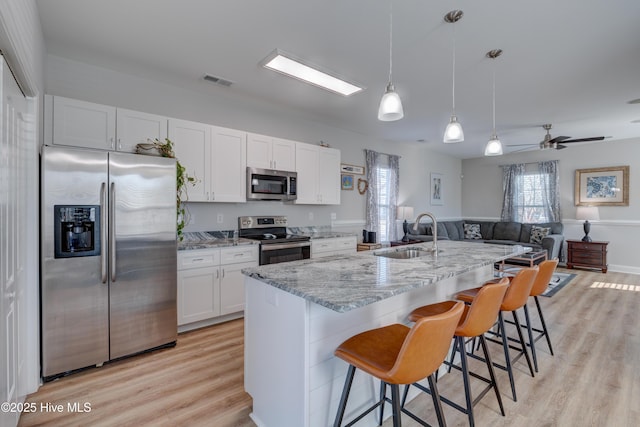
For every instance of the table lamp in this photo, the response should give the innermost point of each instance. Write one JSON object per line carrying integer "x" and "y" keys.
{"x": 587, "y": 213}
{"x": 405, "y": 212}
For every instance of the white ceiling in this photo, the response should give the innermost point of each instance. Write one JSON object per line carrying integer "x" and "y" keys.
{"x": 572, "y": 63}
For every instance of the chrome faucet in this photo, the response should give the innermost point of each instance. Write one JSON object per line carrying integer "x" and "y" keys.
{"x": 434, "y": 227}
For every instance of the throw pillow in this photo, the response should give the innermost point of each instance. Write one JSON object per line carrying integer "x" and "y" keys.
{"x": 538, "y": 233}
{"x": 472, "y": 231}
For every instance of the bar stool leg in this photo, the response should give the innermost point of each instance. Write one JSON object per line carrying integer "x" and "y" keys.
{"x": 395, "y": 404}
{"x": 465, "y": 378}
{"x": 345, "y": 395}
{"x": 492, "y": 374}
{"x": 544, "y": 325}
{"x": 436, "y": 401}
{"x": 507, "y": 357}
{"x": 524, "y": 345}
{"x": 532, "y": 343}
{"x": 383, "y": 392}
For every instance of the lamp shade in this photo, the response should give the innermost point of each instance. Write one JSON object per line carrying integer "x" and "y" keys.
{"x": 405, "y": 212}
{"x": 390, "y": 105}
{"x": 587, "y": 213}
{"x": 453, "y": 132}
{"x": 493, "y": 147}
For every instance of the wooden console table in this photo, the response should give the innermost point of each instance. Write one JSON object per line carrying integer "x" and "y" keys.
{"x": 587, "y": 254}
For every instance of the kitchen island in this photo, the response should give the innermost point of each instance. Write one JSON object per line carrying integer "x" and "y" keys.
{"x": 298, "y": 313}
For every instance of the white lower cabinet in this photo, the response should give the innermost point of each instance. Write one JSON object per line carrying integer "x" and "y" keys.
{"x": 210, "y": 282}
{"x": 333, "y": 246}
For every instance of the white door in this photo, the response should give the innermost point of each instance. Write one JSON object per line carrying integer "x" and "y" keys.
{"x": 198, "y": 294}
{"x": 259, "y": 151}
{"x": 135, "y": 127}
{"x": 83, "y": 124}
{"x": 329, "y": 176}
{"x": 307, "y": 168}
{"x": 284, "y": 154}
{"x": 228, "y": 165}
{"x": 192, "y": 145}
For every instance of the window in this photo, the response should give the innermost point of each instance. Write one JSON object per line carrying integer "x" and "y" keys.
{"x": 531, "y": 208}
{"x": 384, "y": 203}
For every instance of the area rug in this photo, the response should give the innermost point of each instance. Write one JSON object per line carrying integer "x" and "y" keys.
{"x": 558, "y": 281}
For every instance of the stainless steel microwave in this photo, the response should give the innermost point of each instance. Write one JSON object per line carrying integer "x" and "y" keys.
{"x": 269, "y": 184}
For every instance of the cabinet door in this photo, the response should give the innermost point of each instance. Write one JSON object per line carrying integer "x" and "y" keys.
{"x": 284, "y": 155}
{"x": 307, "y": 169}
{"x": 83, "y": 124}
{"x": 329, "y": 177}
{"x": 135, "y": 127}
{"x": 192, "y": 145}
{"x": 198, "y": 294}
{"x": 232, "y": 287}
{"x": 228, "y": 165}
{"x": 259, "y": 151}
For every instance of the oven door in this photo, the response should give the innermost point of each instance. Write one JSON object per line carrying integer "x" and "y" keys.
{"x": 284, "y": 252}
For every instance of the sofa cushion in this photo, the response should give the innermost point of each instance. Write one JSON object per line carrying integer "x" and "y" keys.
{"x": 538, "y": 233}
{"x": 507, "y": 231}
{"x": 455, "y": 229}
{"x": 472, "y": 231}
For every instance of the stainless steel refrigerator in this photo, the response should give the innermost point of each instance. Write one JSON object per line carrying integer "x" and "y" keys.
{"x": 108, "y": 278}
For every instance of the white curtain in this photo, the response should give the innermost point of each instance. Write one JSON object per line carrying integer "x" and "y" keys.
{"x": 512, "y": 194}
{"x": 383, "y": 177}
{"x": 551, "y": 192}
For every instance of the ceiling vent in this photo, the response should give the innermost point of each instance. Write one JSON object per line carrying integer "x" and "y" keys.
{"x": 218, "y": 80}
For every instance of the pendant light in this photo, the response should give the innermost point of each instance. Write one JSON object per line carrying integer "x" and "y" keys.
{"x": 390, "y": 105}
{"x": 494, "y": 146}
{"x": 453, "y": 132}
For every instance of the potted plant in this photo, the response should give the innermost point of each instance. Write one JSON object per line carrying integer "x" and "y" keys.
{"x": 165, "y": 149}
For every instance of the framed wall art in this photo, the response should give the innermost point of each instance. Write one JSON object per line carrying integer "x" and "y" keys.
{"x": 436, "y": 189}
{"x": 602, "y": 186}
{"x": 346, "y": 182}
{"x": 357, "y": 170}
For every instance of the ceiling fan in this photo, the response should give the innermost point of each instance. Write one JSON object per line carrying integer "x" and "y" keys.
{"x": 559, "y": 141}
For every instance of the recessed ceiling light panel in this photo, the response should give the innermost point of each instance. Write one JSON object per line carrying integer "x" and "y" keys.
{"x": 291, "y": 66}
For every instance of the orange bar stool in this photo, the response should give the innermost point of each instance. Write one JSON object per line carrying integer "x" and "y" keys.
{"x": 515, "y": 298}
{"x": 477, "y": 319}
{"x": 397, "y": 354}
{"x": 540, "y": 285}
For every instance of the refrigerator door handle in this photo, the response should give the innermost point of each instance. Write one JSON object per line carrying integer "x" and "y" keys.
{"x": 103, "y": 232}
{"x": 112, "y": 231}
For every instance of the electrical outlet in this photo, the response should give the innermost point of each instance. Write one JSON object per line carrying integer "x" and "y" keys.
{"x": 333, "y": 216}
{"x": 220, "y": 218}
{"x": 310, "y": 216}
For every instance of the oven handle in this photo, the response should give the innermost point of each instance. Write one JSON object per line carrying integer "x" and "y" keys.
{"x": 276, "y": 246}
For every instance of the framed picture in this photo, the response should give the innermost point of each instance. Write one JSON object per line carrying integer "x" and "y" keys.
{"x": 436, "y": 189}
{"x": 602, "y": 186}
{"x": 347, "y": 182}
{"x": 356, "y": 170}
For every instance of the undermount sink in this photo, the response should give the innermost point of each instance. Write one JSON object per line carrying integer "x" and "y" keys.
{"x": 405, "y": 253}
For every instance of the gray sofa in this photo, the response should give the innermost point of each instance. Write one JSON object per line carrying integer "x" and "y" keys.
{"x": 497, "y": 232}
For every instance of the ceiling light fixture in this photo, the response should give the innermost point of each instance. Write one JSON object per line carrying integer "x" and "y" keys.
{"x": 453, "y": 132}
{"x": 390, "y": 105}
{"x": 494, "y": 146}
{"x": 291, "y": 66}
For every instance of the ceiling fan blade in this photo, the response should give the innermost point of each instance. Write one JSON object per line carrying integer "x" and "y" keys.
{"x": 558, "y": 139}
{"x": 595, "y": 138}
{"x": 560, "y": 147}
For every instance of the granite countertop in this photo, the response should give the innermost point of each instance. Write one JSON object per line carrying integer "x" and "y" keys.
{"x": 211, "y": 239}
{"x": 319, "y": 232}
{"x": 345, "y": 283}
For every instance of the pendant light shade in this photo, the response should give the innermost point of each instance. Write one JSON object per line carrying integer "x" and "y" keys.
{"x": 453, "y": 133}
{"x": 390, "y": 105}
{"x": 494, "y": 146}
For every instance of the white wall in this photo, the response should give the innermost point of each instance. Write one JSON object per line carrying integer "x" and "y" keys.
{"x": 225, "y": 107}
{"x": 620, "y": 225}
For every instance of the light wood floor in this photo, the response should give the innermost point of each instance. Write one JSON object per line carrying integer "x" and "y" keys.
{"x": 593, "y": 379}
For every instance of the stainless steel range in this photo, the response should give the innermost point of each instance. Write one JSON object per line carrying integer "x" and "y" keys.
{"x": 275, "y": 244}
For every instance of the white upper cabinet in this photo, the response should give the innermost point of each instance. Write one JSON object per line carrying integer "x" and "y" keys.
{"x": 85, "y": 124}
{"x": 216, "y": 157}
{"x": 318, "y": 175}
{"x": 192, "y": 146}
{"x": 228, "y": 165}
{"x": 79, "y": 123}
{"x": 135, "y": 127}
{"x": 266, "y": 152}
